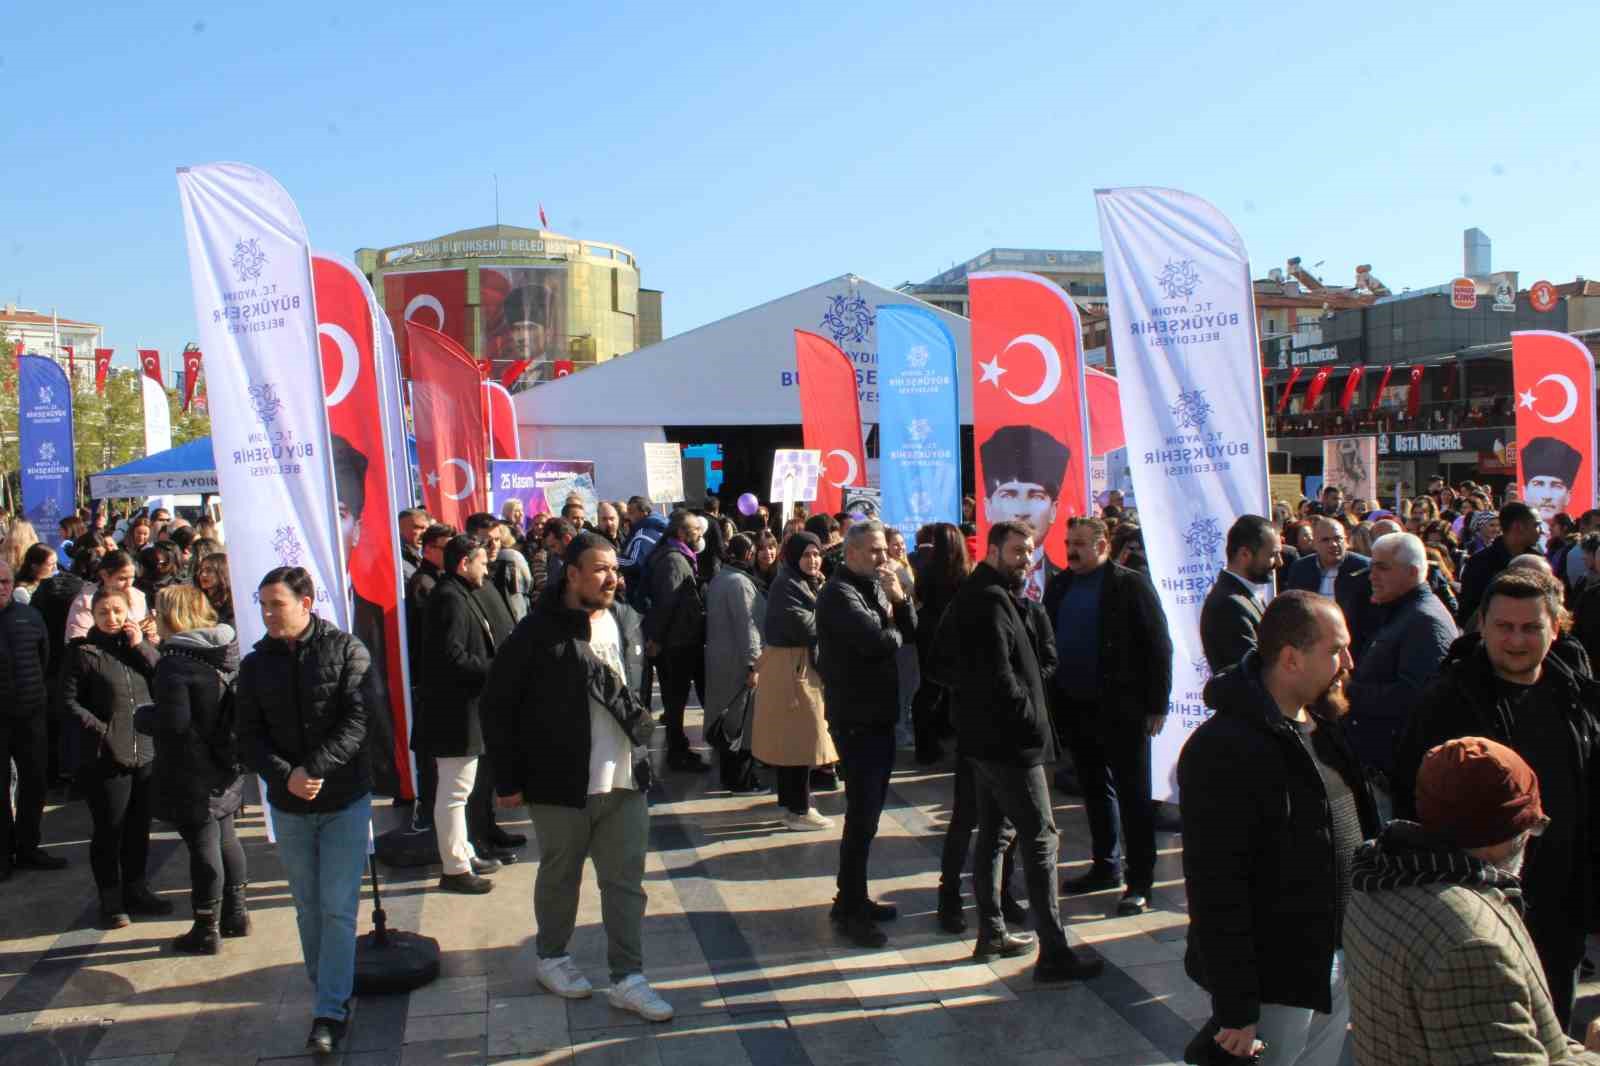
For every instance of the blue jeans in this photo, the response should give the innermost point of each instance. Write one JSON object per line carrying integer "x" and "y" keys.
{"x": 1296, "y": 1036}
{"x": 324, "y": 856}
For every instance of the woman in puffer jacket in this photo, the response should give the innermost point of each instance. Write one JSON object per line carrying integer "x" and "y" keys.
{"x": 105, "y": 674}
{"x": 197, "y": 779}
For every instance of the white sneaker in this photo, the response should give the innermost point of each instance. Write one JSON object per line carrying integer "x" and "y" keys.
{"x": 807, "y": 822}
{"x": 634, "y": 993}
{"x": 561, "y": 976}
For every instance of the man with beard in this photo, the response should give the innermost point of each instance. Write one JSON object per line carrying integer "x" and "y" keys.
{"x": 1519, "y": 532}
{"x": 1232, "y": 611}
{"x": 1274, "y": 805}
{"x": 1023, "y": 471}
{"x": 1005, "y": 733}
{"x": 1510, "y": 688}
{"x": 1442, "y": 966}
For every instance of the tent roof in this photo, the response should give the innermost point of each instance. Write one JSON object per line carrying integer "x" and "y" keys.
{"x": 184, "y": 469}
{"x": 738, "y": 370}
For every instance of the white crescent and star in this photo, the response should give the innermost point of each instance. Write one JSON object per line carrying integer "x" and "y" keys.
{"x": 991, "y": 370}
{"x": 349, "y": 361}
{"x": 1569, "y": 392}
{"x": 422, "y": 300}
{"x": 849, "y": 464}
{"x": 472, "y": 480}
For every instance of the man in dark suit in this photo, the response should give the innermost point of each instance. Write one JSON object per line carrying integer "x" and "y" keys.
{"x": 1339, "y": 574}
{"x": 1519, "y": 532}
{"x": 1232, "y": 611}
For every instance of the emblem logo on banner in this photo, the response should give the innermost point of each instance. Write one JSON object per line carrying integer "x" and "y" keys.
{"x": 248, "y": 259}
{"x": 1179, "y": 280}
{"x": 848, "y": 318}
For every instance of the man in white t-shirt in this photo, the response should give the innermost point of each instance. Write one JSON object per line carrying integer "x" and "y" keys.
{"x": 567, "y": 734}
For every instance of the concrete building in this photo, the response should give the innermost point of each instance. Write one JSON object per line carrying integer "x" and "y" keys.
{"x": 44, "y": 333}
{"x": 535, "y": 304}
{"x": 1081, "y": 273}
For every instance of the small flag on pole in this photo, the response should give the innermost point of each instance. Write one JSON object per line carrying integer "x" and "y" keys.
{"x": 544, "y": 223}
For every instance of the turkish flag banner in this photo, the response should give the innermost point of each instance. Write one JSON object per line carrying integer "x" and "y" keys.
{"x": 1319, "y": 381}
{"x": 1105, "y": 412}
{"x": 102, "y": 366}
{"x": 830, "y": 410}
{"x": 191, "y": 374}
{"x": 1553, "y": 375}
{"x": 1288, "y": 388}
{"x": 433, "y": 298}
{"x": 1030, "y": 413}
{"x": 1383, "y": 383}
{"x": 1351, "y": 383}
{"x": 514, "y": 372}
{"x": 362, "y": 425}
{"x": 447, "y": 411}
{"x": 563, "y": 368}
{"x": 150, "y": 363}
{"x": 72, "y": 366}
{"x": 501, "y": 417}
{"x": 1414, "y": 392}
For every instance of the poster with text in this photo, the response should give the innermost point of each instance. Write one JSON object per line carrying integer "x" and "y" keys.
{"x": 542, "y": 485}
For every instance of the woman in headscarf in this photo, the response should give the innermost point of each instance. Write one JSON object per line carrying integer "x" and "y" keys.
{"x": 790, "y": 732}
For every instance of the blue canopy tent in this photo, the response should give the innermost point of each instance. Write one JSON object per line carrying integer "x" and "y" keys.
{"x": 188, "y": 468}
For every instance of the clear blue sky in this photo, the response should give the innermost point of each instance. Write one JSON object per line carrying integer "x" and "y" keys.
{"x": 744, "y": 153}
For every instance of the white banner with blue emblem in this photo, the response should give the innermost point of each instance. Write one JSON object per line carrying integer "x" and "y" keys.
{"x": 250, "y": 263}
{"x": 1184, "y": 329}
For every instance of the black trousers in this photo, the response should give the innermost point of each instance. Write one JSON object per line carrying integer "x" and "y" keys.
{"x": 929, "y": 716}
{"x": 678, "y": 668}
{"x": 119, "y": 804}
{"x": 23, "y": 740}
{"x": 958, "y": 836}
{"x": 1560, "y": 952}
{"x": 1014, "y": 807}
{"x": 868, "y": 758}
{"x": 216, "y": 860}
{"x": 1113, "y": 762}
{"x": 794, "y": 788}
{"x": 427, "y": 788}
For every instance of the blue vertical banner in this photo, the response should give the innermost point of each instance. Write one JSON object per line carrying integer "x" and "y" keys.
{"x": 919, "y": 421}
{"x": 44, "y": 403}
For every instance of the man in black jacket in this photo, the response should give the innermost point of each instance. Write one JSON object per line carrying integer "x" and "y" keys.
{"x": 418, "y": 588}
{"x": 1274, "y": 806}
{"x": 675, "y": 629}
{"x": 1511, "y": 687}
{"x": 1338, "y": 573}
{"x": 1004, "y": 726}
{"x": 864, "y": 617}
{"x": 1111, "y": 691}
{"x": 488, "y": 839}
{"x": 1231, "y": 614}
{"x": 53, "y": 600}
{"x": 302, "y": 704}
{"x": 24, "y": 651}
{"x": 1519, "y": 532}
{"x": 566, "y": 735}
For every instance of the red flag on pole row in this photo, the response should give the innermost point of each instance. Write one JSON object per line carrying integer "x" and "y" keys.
{"x": 447, "y": 409}
{"x": 191, "y": 374}
{"x": 502, "y": 418}
{"x": 830, "y": 409}
{"x": 1351, "y": 383}
{"x": 1288, "y": 388}
{"x": 543, "y": 222}
{"x": 1383, "y": 383}
{"x": 1029, "y": 412}
{"x": 102, "y": 366}
{"x": 514, "y": 372}
{"x": 150, "y": 363}
{"x": 353, "y": 374}
{"x": 1319, "y": 381}
{"x": 1414, "y": 392}
{"x": 562, "y": 368}
{"x": 72, "y": 366}
{"x": 433, "y": 298}
{"x": 1554, "y": 378}
{"x": 1105, "y": 412}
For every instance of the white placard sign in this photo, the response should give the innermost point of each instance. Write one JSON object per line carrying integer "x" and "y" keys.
{"x": 663, "y": 472}
{"x": 794, "y": 474}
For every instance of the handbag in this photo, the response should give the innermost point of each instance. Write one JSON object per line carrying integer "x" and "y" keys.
{"x": 727, "y": 732}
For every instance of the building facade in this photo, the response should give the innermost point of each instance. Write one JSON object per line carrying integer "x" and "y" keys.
{"x": 534, "y": 304}
{"x": 69, "y": 341}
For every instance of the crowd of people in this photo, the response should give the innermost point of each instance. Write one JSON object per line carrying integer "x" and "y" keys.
{"x": 1387, "y": 825}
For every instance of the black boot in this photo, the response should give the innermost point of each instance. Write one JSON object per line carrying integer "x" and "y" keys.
{"x": 202, "y": 938}
{"x": 138, "y": 898}
{"x": 951, "y": 920}
{"x": 235, "y": 916}
{"x": 113, "y": 913}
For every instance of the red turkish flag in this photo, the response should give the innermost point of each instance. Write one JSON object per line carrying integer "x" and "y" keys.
{"x": 1105, "y": 411}
{"x": 514, "y": 372}
{"x": 1030, "y": 412}
{"x": 72, "y": 366}
{"x": 1288, "y": 388}
{"x": 562, "y": 368}
{"x": 102, "y": 366}
{"x": 501, "y": 417}
{"x": 1414, "y": 392}
{"x": 150, "y": 363}
{"x": 447, "y": 409}
{"x": 830, "y": 409}
{"x": 1319, "y": 381}
{"x": 347, "y": 333}
{"x": 433, "y": 298}
{"x": 1554, "y": 378}
{"x": 1383, "y": 383}
{"x": 191, "y": 374}
{"x": 1351, "y": 383}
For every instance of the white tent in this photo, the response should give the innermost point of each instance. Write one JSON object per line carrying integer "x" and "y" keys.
{"x": 738, "y": 371}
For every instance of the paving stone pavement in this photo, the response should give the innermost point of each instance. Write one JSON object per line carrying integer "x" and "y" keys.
{"x": 737, "y": 938}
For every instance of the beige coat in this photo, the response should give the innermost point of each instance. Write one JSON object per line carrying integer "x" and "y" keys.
{"x": 789, "y": 728}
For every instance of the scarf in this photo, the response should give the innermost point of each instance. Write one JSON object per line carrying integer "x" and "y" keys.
{"x": 1405, "y": 856}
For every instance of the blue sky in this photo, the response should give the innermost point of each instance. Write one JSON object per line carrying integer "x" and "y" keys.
{"x": 744, "y": 153}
